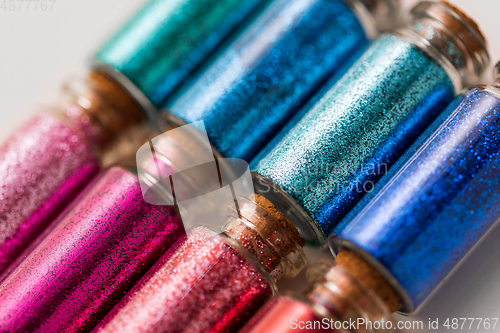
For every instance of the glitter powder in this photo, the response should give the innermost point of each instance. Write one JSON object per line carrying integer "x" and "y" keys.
{"x": 44, "y": 165}
{"x": 202, "y": 286}
{"x": 47, "y": 162}
{"x": 266, "y": 75}
{"x": 166, "y": 40}
{"x": 360, "y": 127}
{"x": 282, "y": 315}
{"x": 89, "y": 260}
{"x": 438, "y": 201}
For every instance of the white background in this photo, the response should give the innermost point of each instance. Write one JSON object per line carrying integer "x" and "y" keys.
{"x": 39, "y": 50}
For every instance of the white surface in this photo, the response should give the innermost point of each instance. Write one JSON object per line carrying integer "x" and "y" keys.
{"x": 39, "y": 50}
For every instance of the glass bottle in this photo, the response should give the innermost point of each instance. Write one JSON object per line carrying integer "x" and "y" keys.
{"x": 53, "y": 156}
{"x": 325, "y": 164}
{"x": 436, "y": 204}
{"x": 262, "y": 79}
{"x": 214, "y": 282}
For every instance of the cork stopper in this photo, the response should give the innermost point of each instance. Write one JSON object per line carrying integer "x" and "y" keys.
{"x": 101, "y": 109}
{"x": 337, "y": 294}
{"x": 278, "y": 215}
{"x": 448, "y": 33}
{"x": 267, "y": 234}
{"x": 370, "y": 277}
{"x": 115, "y": 95}
{"x": 467, "y": 19}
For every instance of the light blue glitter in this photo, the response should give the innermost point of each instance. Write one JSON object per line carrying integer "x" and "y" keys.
{"x": 362, "y": 125}
{"x": 438, "y": 201}
{"x": 264, "y": 78}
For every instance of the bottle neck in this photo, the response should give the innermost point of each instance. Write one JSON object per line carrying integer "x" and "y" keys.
{"x": 268, "y": 236}
{"x": 450, "y": 37}
{"x": 336, "y": 294}
{"x": 376, "y": 16}
{"x": 101, "y": 110}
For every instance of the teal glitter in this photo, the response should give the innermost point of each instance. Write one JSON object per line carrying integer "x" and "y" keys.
{"x": 167, "y": 39}
{"x": 348, "y": 140}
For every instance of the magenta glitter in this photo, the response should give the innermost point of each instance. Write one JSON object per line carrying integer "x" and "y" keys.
{"x": 89, "y": 260}
{"x": 203, "y": 285}
{"x": 44, "y": 165}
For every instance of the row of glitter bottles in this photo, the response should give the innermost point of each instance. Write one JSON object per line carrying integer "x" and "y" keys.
{"x": 79, "y": 269}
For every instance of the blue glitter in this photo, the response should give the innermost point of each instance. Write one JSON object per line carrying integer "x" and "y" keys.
{"x": 438, "y": 201}
{"x": 264, "y": 78}
{"x": 167, "y": 39}
{"x": 345, "y": 143}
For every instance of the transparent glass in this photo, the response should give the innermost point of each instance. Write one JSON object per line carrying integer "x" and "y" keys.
{"x": 450, "y": 37}
{"x": 334, "y": 291}
{"x": 273, "y": 243}
{"x": 105, "y": 115}
{"x": 376, "y": 16}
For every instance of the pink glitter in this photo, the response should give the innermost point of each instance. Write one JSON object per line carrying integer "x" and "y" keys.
{"x": 89, "y": 260}
{"x": 44, "y": 165}
{"x": 202, "y": 286}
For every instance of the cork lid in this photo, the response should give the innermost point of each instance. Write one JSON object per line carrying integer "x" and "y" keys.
{"x": 101, "y": 108}
{"x": 496, "y": 72}
{"x": 455, "y": 36}
{"x": 267, "y": 234}
{"x": 344, "y": 296}
{"x": 370, "y": 277}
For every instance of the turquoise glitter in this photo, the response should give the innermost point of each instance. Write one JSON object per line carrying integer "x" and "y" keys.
{"x": 347, "y": 141}
{"x": 437, "y": 202}
{"x": 270, "y": 72}
{"x": 167, "y": 39}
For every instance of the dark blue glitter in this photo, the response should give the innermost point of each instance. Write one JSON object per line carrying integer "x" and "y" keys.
{"x": 264, "y": 78}
{"x": 438, "y": 201}
{"x": 364, "y": 123}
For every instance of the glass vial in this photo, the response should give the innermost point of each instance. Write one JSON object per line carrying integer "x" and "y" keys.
{"x": 436, "y": 203}
{"x": 263, "y": 79}
{"x": 365, "y": 122}
{"x": 332, "y": 302}
{"x": 53, "y": 156}
{"x": 214, "y": 282}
